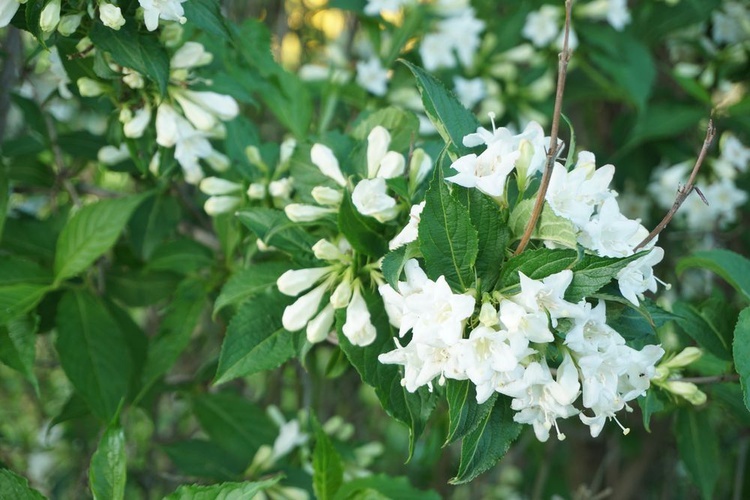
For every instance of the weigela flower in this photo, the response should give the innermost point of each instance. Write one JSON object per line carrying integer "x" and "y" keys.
{"x": 50, "y": 16}
{"x": 372, "y": 76}
{"x": 370, "y": 198}
{"x": 322, "y": 157}
{"x": 111, "y": 16}
{"x": 8, "y": 9}
{"x": 611, "y": 234}
{"x": 638, "y": 276}
{"x": 410, "y": 232}
{"x": 358, "y": 328}
{"x": 380, "y": 161}
{"x": 168, "y": 10}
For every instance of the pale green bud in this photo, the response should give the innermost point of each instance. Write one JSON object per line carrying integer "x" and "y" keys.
{"x": 687, "y": 391}
{"x": 50, "y": 16}
{"x": 89, "y": 88}
{"x": 69, "y": 24}
{"x": 327, "y": 196}
{"x": 488, "y": 315}
{"x": 688, "y": 356}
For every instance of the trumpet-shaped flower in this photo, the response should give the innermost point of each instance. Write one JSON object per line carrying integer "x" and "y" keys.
{"x": 370, "y": 198}
{"x": 323, "y": 158}
{"x": 168, "y": 10}
{"x": 111, "y": 16}
{"x": 358, "y": 327}
{"x": 295, "y": 281}
{"x": 297, "y": 315}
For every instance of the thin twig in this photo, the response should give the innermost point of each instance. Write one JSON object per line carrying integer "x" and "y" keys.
{"x": 684, "y": 191}
{"x": 712, "y": 379}
{"x": 562, "y": 72}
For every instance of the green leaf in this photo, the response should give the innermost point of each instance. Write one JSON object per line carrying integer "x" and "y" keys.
{"x": 549, "y": 227}
{"x": 108, "y": 470}
{"x": 17, "y": 300}
{"x": 732, "y": 267}
{"x": 447, "y": 240}
{"x": 16, "y": 487}
{"x": 650, "y": 404}
{"x": 386, "y": 486}
{"x": 206, "y": 459}
{"x": 4, "y": 196}
{"x": 741, "y": 353}
{"x": 591, "y": 273}
{"x": 697, "y": 326}
{"x": 206, "y": 15}
{"x": 451, "y": 119}
{"x": 140, "y": 287}
{"x": 93, "y": 352}
{"x": 14, "y": 270}
{"x": 412, "y": 409}
{"x": 536, "y": 264}
{"x": 233, "y": 422}
{"x": 394, "y": 262}
{"x": 275, "y": 229}
{"x": 663, "y": 121}
{"x": 183, "y": 256}
{"x": 328, "y": 470}
{"x": 464, "y": 413}
{"x": 699, "y": 449}
{"x": 18, "y": 346}
{"x": 90, "y": 233}
{"x": 402, "y": 125}
{"x": 141, "y": 52}
{"x": 249, "y": 282}
{"x": 256, "y": 340}
{"x": 224, "y": 491}
{"x": 494, "y": 235}
{"x": 364, "y": 233}
{"x": 175, "y": 330}
{"x": 153, "y": 221}
{"x": 488, "y": 443}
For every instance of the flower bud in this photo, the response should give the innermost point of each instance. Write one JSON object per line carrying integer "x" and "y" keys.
{"x": 342, "y": 294}
{"x": 220, "y": 105}
{"x": 85, "y": 45}
{"x": 218, "y": 161}
{"x": 89, "y": 88}
{"x": 135, "y": 127}
{"x": 190, "y": 55}
{"x": 320, "y": 326}
{"x": 110, "y": 155}
{"x": 327, "y": 196}
{"x": 295, "y": 281}
{"x": 358, "y": 327}
{"x": 50, "y": 16}
{"x": 216, "y": 186}
{"x": 298, "y": 212}
{"x": 254, "y": 157}
{"x": 286, "y": 150}
{"x": 198, "y": 116}
{"x": 69, "y": 24}
{"x": 281, "y": 188}
{"x": 325, "y": 250}
{"x": 111, "y": 16}
{"x": 686, "y": 390}
{"x": 297, "y": 315}
{"x": 256, "y": 191}
{"x": 488, "y": 315}
{"x": 419, "y": 167}
{"x": 323, "y": 158}
{"x": 392, "y": 166}
{"x": 687, "y": 356}
{"x": 133, "y": 79}
{"x": 217, "y": 205}
{"x": 378, "y": 142}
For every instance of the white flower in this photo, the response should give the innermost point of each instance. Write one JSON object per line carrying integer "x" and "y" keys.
{"x": 547, "y": 295}
{"x": 372, "y": 76}
{"x": 380, "y": 161}
{"x": 435, "y": 314}
{"x": 213, "y": 186}
{"x": 542, "y": 26}
{"x": 50, "y": 16}
{"x": 434, "y": 52}
{"x": 168, "y": 10}
{"x": 298, "y": 212}
{"x": 323, "y": 158}
{"x": 222, "y": 106}
{"x": 410, "y": 232}
{"x": 638, "y": 276}
{"x": 110, "y": 155}
{"x": 216, "y": 205}
{"x": 376, "y": 7}
{"x": 135, "y": 126}
{"x": 469, "y": 91}
{"x": 462, "y": 32}
{"x": 533, "y": 325}
{"x": 486, "y": 172}
{"x": 327, "y": 196}
{"x": 369, "y": 198}
{"x": 736, "y": 153}
{"x": 190, "y": 55}
{"x": 295, "y": 281}
{"x": 725, "y": 198}
{"x": 8, "y": 9}
{"x": 358, "y": 327}
{"x": 297, "y": 315}
{"x": 611, "y": 234}
{"x": 281, "y": 188}
{"x": 111, "y": 16}
{"x": 320, "y": 326}
{"x": 133, "y": 79}
{"x": 615, "y": 12}
{"x": 394, "y": 299}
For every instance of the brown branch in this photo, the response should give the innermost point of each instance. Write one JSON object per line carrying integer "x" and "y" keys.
{"x": 684, "y": 191}
{"x": 562, "y": 71}
{"x": 712, "y": 379}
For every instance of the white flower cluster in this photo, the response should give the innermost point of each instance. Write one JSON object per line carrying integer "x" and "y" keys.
{"x": 505, "y": 349}
{"x": 455, "y": 39}
{"x": 716, "y": 182}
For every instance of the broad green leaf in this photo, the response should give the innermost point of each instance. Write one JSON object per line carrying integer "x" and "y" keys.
{"x": 488, "y": 442}
{"x": 656, "y": 20}
{"x": 394, "y": 262}
{"x": 152, "y": 222}
{"x": 14, "y": 271}
{"x": 732, "y": 267}
{"x": 90, "y": 233}
{"x": 637, "y": 325}
{"x": 140, "y": 287}
{"x": 536, "y": 264}
{"x": 16, "y": 487}
{"x": 18, "y": 299}
{"x": 75, "y": 407}
{"x": 451, "y": 119}
{"x": 385, "y": 486}
{"x": 701, "y": 330}
{"x": 249, "y": 282}
{"x": 93, "y": 352}
{"x": 141, "y": 52}
{"x": 549, "y": 227}
{"x": 650, "y": 404}
{"x": 364, "y": 233}
{"x": 731, "y": 399}
{"x": 591, "y": 273}
{"x": 328, "y": 470}
{"x": 108, "y": 470}
{"x": 464, "y": 413}
{"x": 699, "y": 449}
{"x": 4, "y": 196}
{"x": 34, "y": 239}
{"x": 447, "y": 240}
{"x": 233, "y": 422}
{"x": 411, "y": 409}
{"x": 175, "y": 330}
{"x": 183, "y": 256}
{"x": 206, "y": 15}
{"x": 741, "y": 353}
{"x": 663, "y": 121}
{"x": 256, "y": 340}
{"x": 18, "y": 346}
{"x": 206, "y": 459}
{"x": 494, "y": 235}
{"x": 275, "y": 229}
{"x": 224, "y": 491}
{"x": 402, "y": 125}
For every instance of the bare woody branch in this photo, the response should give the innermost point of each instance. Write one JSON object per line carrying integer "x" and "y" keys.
{"x": 562, "y": 72}
{"x": 684, "y": 191}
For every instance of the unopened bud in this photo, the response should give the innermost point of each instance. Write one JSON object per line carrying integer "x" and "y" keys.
{"x": 687, "y": 356}
{"x": 216, "y": 186}
{"x": 50, "y": 16}
{"x": 216, "y": 205}
{"x": 254, "y": 157}
{"x": 419, "y": 167}
{"x": 327, "y": 196}
{"x": 69, "y": 24}
{"x": 342, "y": 294}
{"x": 89, "y": 88}
{"x": 325, "y": 250}
{"x": 298, "y": 212}
{"x": 686, "y": 390}
{"x": 256, "y": 191}
{"x": 488, "y": 315}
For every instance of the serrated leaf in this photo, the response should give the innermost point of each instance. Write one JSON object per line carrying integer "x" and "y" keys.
{"x": 731, "y": 266}
{"x": 233, "y": 422}
{"x": 16, "y": 487}
{"x": 205, "y": 459}
{"x": 328, "y": 470}
{"x": 90, "y": 233}
{"x": 183, "y": 256}
{"x": 412, "y": 409}
{"x": 141, "y": 52}
{"x": 275, "y": 229}
{"x": 699, "y": 449}
{"x": 488, "y": 443}
{"x": 387, "y": 486}
{"x": 536, "y": 264}
{"x": 93, "y": 352}
{"x": 591, "y": 273}
{"x": 108, "y": 470}
{"x": 447, "y": 240}
{"x": 364, "y": 233}
{"x": 549, "y": 227}
{"x": 402, "y": 125}
{"x": 153, "y": 221}
{"x": 18, "y": 346}
{"x": 702, "y": 331}
{"x": 16, "y": 300}
{"x": 14, "y": 270}
{"x": 175, "y": 330}
{"x": 741, "y": 352}
{"x": 249, "y": 282}
{"x": 394, "y": 262}
{"x": 224, "y": 491}
{"x": 139, "y": 287}
{"x": 464, "y": 413}
{"x": 256, "y": 339}
{"x": 206, "y": 15}
{"x": 451, "y": 119}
